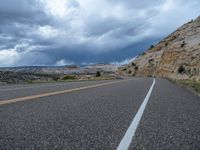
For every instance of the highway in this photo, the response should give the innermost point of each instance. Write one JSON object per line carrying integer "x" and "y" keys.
{"x": 134, "y": 113}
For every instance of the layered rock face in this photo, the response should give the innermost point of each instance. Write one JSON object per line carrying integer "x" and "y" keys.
{"x": 177, "y": 56}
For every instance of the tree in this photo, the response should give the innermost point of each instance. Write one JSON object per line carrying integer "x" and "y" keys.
{"x": 152, "y": 46}
{"x": 98, "y": 74}
{"x": 181, "y": 70}
{"x": 133, "y": 64}
{"x": 183, "y": 44}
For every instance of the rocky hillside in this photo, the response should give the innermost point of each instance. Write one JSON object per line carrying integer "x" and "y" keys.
{"x": 177, "y": 56}
{"x": 23, "y": 77}
{"x": 32, "y": 74}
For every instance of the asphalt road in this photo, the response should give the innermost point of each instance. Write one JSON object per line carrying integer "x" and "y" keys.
{"x": 99, "y": 115}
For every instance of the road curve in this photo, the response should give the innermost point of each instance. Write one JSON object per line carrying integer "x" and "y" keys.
{"x": 99, "y": 117}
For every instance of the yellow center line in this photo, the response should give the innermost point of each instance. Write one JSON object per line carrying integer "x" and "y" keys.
{"x": 3, "y": 102}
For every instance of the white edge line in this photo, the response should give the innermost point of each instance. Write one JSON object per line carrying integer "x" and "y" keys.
{"x": 128, "y": 137}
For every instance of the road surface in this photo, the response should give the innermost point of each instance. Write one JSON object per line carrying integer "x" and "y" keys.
{"x": 135, "y": 113}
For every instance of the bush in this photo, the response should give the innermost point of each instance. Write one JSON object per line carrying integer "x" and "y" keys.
{"x": 150, "y": 60}
{"x": 152, "y": 46}
{"x": 98, "y": 74}
{"x": 136, "y": 67}
{"x": 183, "y": 44}
{"x": 133, "y": 64}
{"x": 55, "y": 78}
{"x": 181, "y": 70}
{"x": 69, "y": 77}
{"x": 143, "y": 53}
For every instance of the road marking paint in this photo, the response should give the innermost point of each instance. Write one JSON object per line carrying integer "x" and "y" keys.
{"x": 3, "y": 102}
{"x": 128, "y": 137}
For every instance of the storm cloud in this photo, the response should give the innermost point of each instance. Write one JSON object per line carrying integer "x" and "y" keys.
{"x": 65, "y": 32}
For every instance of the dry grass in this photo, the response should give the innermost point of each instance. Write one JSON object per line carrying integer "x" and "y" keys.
{"x": 192, "y": 84}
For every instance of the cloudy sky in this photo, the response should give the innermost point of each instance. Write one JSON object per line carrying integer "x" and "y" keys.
{"x": 65, "y": 32}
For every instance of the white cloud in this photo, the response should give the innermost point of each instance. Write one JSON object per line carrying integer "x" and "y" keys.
{"x": 60, "y": 9}
{"x": 63, "y": 62}
{"x": 8, "y": 57}
{"x": 171, "y": 15}
{"x": 55, "y": 29}
{"x": 124, "y": 62}
{"x": 150, "y": 21}
{"x": 47, "y": 31}
{"x": 55, "y": 7}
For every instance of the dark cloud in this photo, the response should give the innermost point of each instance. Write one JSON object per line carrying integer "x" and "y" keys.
{"x": 43, "y": 32}
{"x": 23, "y": 11}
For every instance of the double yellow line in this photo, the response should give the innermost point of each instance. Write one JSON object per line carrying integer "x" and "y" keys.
{"x": 3, "y": 102}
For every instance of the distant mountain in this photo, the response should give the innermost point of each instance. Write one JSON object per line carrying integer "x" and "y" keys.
{"x": 72, "y": 69}
{"x": 177, "y": 56}
{"x": 48, "y": 73}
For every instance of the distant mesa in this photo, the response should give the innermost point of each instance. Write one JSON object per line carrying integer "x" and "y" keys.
{"x": 71, "y": 67}
{"x": 32, "y": 74}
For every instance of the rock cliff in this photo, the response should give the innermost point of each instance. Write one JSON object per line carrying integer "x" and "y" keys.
{"x": 177, "y": 56}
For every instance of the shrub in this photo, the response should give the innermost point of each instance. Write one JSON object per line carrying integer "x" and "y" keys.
{"x": 133, "y": 64}
{"x": 181, "y": 70}
{"x": 150, "y": 60}
{"x": 68, "y": 77}
{"x": 98, "y": 74}
{"x": 152, "y": 46}
{"x": 136, "y": 67}
{"x": 149, "y": 75}
{"x": 55, "y": 78}
{"x": 183, "y": 44}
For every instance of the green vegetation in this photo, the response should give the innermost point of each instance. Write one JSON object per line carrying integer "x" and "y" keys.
{"x": 69, "y": 77}
{"x": 149, "y": 75}
{"x": 152, "y": 46}
{"x": 30, "y": 82}
{"x": 55, "y": 78}
{"x": 136, "y": 67}
{"x": 195, "y": 85}
{"x": 133, "y": 64}
{"x": 183, "y": 44}
{"x": 151, "y": 60}
{"x": 98, "y": 74}
{"x": 191, "y": 83}
{"x": 181, "y": 70}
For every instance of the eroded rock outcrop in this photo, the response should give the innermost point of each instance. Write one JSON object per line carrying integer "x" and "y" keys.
{"x": 177, "y": 56}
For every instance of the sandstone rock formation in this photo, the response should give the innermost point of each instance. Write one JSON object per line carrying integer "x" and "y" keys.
{"x": 177, "y": 56}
